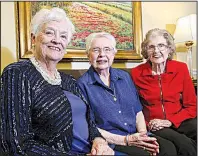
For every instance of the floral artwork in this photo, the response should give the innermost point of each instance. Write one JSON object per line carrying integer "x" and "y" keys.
{"x": 121, "y": 19}
{"x": 88, "y": 17}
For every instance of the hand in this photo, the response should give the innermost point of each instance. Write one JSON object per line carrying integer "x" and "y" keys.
{"x": 157, "y": 124}
{"x": 100, "y": 147}
{"x": 142, "y": 140}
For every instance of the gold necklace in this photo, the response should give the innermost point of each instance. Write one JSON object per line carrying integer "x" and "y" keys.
{"x": 114, "y": 93}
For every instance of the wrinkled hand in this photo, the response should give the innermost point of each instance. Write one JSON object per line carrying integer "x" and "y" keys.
{"x": 157, "y": 124}
{"x": 142, "y": 140}
{"x": 100, "y": 147}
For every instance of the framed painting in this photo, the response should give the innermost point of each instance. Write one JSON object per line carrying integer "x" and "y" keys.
{"x": 122, "y": 19}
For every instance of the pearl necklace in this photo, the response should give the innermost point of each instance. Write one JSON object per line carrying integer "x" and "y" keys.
{"x": 55, "y": 81}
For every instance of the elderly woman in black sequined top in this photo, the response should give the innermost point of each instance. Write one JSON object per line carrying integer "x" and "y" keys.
{"x": 42, "y": 111}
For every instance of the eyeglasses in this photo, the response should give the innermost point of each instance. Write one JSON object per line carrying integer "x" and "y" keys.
{"x": 106, "y": 50}
{"x": 160, "y": 46}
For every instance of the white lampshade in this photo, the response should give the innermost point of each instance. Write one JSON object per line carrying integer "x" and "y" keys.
{"x": 186, "y": 29}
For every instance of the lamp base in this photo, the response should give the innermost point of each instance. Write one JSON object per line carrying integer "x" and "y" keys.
{"x": 189, "y": 57}
{"x": 189, "y": 44}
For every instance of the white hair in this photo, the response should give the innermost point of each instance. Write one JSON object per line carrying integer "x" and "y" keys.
{"x": 93, "y": 36}
{"x": 46, "y": 15}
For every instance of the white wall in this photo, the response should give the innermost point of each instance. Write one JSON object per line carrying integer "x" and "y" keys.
{"x": 8, "y": 34}
{"x": 154, "y": 14}
{"x": 158, "y": 14}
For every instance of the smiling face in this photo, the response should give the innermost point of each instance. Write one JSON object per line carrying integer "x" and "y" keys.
{"x": 51, "y": 41}
{"x": 157, "y": 49}
{"x": 101, "y": 54}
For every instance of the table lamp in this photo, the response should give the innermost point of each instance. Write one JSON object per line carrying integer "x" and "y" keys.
{"x": 185, "y": 32}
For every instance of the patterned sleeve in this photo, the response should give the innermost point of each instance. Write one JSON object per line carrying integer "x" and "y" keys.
{"x": 16, "y": 135}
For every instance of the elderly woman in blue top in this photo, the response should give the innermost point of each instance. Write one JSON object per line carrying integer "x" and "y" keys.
{"x": 115, "y": 106}
{"x": 39, "y": 110}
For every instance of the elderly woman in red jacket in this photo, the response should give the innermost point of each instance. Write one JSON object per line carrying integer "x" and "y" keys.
{"x": 167, "y": 92}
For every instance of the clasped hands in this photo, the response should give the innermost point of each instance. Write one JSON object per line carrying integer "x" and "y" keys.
{"x": 157, "y": 124}
{"x": 143, "y": 141}
{"x": 100, "y": 147}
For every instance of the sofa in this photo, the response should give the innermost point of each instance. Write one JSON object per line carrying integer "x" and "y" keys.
{"x": 77, "y": 73}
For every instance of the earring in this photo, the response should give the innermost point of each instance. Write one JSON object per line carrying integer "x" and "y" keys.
{"x": 33, "y": 46}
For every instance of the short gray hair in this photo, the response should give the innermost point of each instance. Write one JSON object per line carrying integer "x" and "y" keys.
{"x": 158, "y": 32}
{"x": 93, "y": 36}
{"x": 46, "y": 15}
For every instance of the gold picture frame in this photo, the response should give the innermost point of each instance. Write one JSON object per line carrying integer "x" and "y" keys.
{"x": 23, "y": 18}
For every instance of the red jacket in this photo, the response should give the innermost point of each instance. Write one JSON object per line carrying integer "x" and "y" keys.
{"x": 161, "y": 95}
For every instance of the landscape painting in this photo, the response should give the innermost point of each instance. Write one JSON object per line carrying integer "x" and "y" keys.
{"x": 116, "y": 18}
{"x": 89, "y": 17}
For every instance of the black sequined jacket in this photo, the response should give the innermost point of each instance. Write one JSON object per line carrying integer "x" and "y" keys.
{"x": 35, "y": 116}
